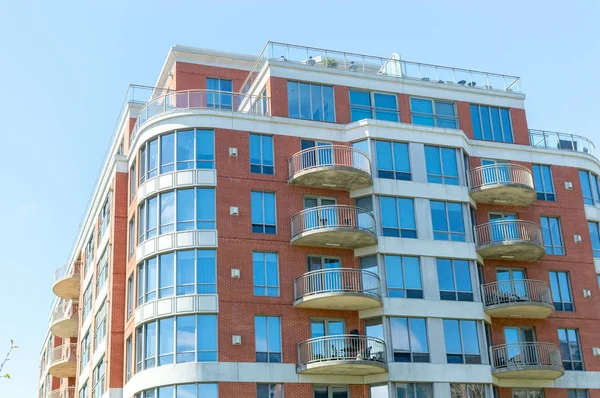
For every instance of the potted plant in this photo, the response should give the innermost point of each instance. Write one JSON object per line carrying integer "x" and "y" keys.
{"x": 331, "y": 62}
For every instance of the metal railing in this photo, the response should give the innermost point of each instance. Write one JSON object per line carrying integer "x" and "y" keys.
{"x": 329, "y": 155}
{"x": 517, "y": 355}
{"x": 508, "y": 231}
{"x": 337, "y": 280}
{"x": 516, "y": 291}
{"x": 64, "y": 353}
{"x": 500, "y": 173}
{"x": 65, "y": 392}
{"x": 561, "y": 141}
{"x": 333, "y": 216}
{"x": 343, "y": 347}
{"x": 67, "y": 310}
{"x": 202, "y": 99}
{"x": 70, "y": 270}
{"x": 386, "y": 66}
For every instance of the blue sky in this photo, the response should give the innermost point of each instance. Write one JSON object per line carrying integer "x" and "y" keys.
{"x": 66, "y": 67}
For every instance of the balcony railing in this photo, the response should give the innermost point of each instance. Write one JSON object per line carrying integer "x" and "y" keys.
{"x": 337, "y": 280}
{"x": 561, "y": 142}
{"x": 516, "y": 291}
{"x": 65, "y": 392}
{"x": 390, "y": 66}
{"x": 67, "y": 271}
{"x": 500, "y": 174}
{"x": 329, "y": 156}
{"x": 520, "y": 356}
{"x": 507, "y": 231}
{"x": 66, "y": 311}
{"x": 63, "y": 353}
{"x": 333, "y": 216}
{"x": 226, "y": 101}
{"x": 345, "y": 347}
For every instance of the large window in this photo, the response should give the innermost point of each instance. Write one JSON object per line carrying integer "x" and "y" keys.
{"x": 589, "y": 187}
{"x": 369, "y": 105}
{"x": 454, "y": 278}
{"x": 393, "y": 161}
{"x": 577, "y": 394}
{"x": 330, "y": 392}
{"x": 266, "y": 274}
{"x": 181, "y": 210}
{"x": 448, "y": 222}
{"x": 414, "y": 390}
{"x": 462, "y": 341}
{"x": 132, "y": 182}
{"x": 261, "y": 154}
{"x": 130, "y": 298}
{"x": 181, "y": 150}
{"x": 98, "y": 375}
{"x": 85, "y": 350}
{"x": 491, "y": 123}
{"x": 204, "y": 390}
{"x": 269, "y": 391}
{"x": 220, "y": 97}
{"x": 428, "y": 112}
{"x": 542, "y": 179}
{"x": 189, "y": 338}
{"x": 87, "y": 301}
{"x": 398, "y": 217}
{"x": 100, "y": 325}
{"x": 527, "y": 393}
{"x": 89, "y": 254}
{"x": 552, "y": 235}
{"x": 264, "y": 219}
{"x": 267, "y": 333}
{"x": 128, "y": 359}
{"x": 442, "y": 165}
{"x": 570, "y": 349}
{"x": 467, "y": 390}
{"x": 131, "y": 237}
{"x": 595, "y": 237}
{"x": 177, "y": 273}
{"x": 84, "y": 392}
{"x": 104, "y": 217}
{"x": 403, "y": 275}
{"x": 310, "y": 101}
{"x": 102, "y": 271}
{"x": 409, "y": 339}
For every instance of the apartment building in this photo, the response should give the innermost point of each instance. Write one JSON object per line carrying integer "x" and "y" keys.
{"x": 309, "y": 223}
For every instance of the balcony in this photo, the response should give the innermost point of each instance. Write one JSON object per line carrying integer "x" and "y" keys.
{"x": 338, "y": 288}
{"x": 344, "y": 227}
{"x": 66, "y": 281}
{"x": 63, "y": 361}
{"x": 561, "y": 142}
{"x": 510, "y": 240}
{"x": 518, "y": 298}
{"x": 65, "y": 392}
{"x": 345, "y": 354}
{"x": 333, "y": 167}
{"x": 510, "y": 184}
{"x": 539, "y": 361}
{"x": 64, "y": 321}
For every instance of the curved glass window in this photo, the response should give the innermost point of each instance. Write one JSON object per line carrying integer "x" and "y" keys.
{"x": 179, "y": 210}
{"x": 203, "y": 390}
{"x": 180, "y": 339}
{"x": 181, "y": 150}
{"x": 176, "y": 274}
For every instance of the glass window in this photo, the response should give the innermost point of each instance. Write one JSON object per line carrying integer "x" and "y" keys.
{"x": 409, "y": 339}
{"x": 87, "y": 300}
{"x": 442, "y": 165}
{"x": 462, "y": 341}
{"x": 491, "y": 123}
{"x": 261, "y": 154}
{"x": 403, "y": 275}
{"x": 385, "y": 108}
{"x": 100, "y": 325}
{"x": 132, "y": 182}
{"x": 89, "y": 253}
{"x": 269, "y": 391}
{"x": 310, "y": 101}
{"x": 393, "y": 161}
{"x": 98, "y": 376}
{"x": 202, "y": 390}
{"x": 527, "y": 393}
{"x": 467, "y": 390}
{"x": 398, "y": 217}
{"x": 104, "y": 217}
{"x": 570, "y": 349}
{"x": 128, "y": 359}
{"x": 267, "y": 333}
{"x": 131, "y": 237}
{"x": 263, "y": 212}
{"x": 542, "y": 179}
{"x": 428, "y": 112}
{"x": 84, "y": 392}
{"x": 593, "y": 227}
{"x": 589, "y": 187}
{"x": 414, "y": 390}
{"x": 85, "y": 349}
{"x": 331, "y": 392}
{"x": 448, "y": 222}
{"x": 220, "y": 97}
{"x": 130, "y": 296}
{"x": 577, "y": 394}
{"x": 266, "y": 274}
{"x": 552, "y": 235}
{"x": 454, "y": 278}
{"x": 167, "y": 153}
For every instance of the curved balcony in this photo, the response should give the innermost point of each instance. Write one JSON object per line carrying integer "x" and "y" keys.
{"x": 65, "y": 392}
{"x": 334, "y": 167}
{"x": 338, "y": 288}
{"x": 561, "y": 142}
{"x": 66, "y": 281}
{"x": 339, "y": 226}
{"x": 345, "y": 354}
{"x": 63, "y": 361}
{"x": 64, "y": 321}
{"x": 518, "y": 298}
{"x": 527, "y": 361}
{"x": 499, "y": 183}
{"x": 510, "y": 239}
